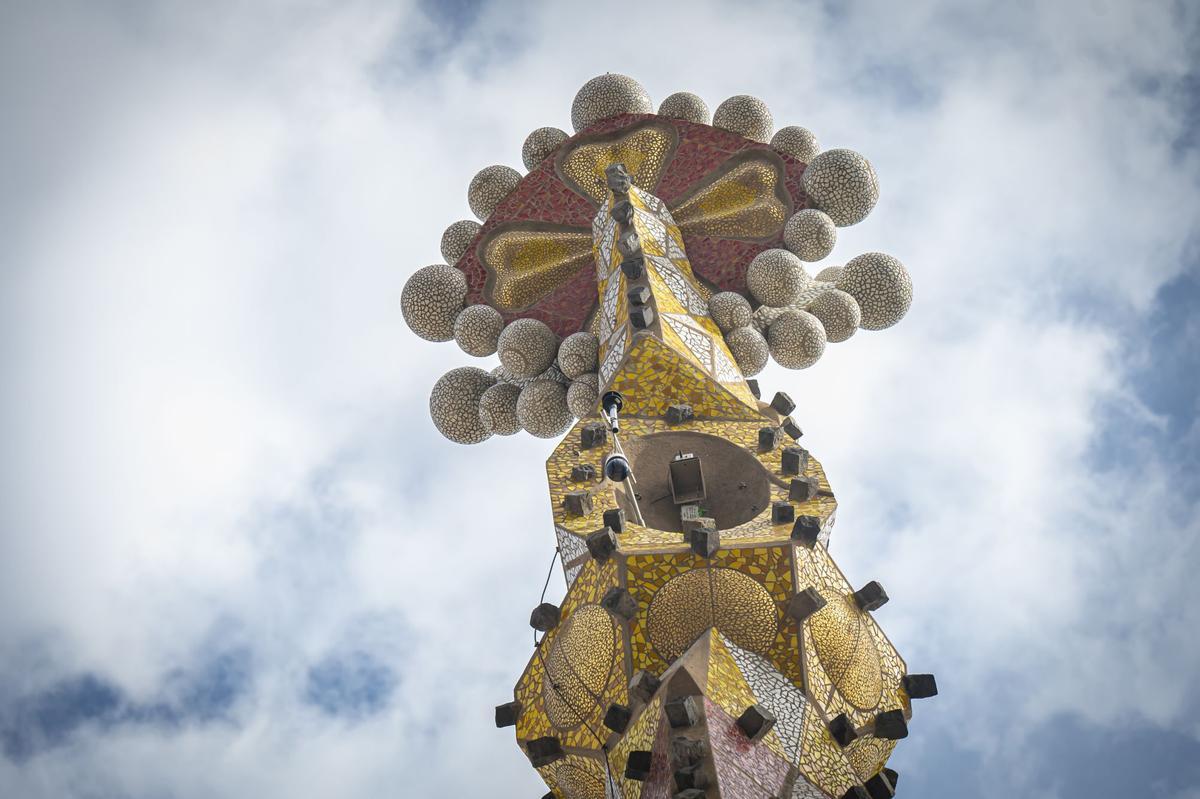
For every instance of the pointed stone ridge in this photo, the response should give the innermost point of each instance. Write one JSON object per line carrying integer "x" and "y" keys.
{"x": 658, "y": 345}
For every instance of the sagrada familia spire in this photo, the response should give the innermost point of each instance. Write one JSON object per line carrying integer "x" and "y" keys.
{"x": 635, "y": 280}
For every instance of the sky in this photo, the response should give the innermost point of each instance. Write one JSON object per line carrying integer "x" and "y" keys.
{"x": 236, "y": 559}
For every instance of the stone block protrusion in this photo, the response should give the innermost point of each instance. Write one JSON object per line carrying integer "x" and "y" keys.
{"x": 638, "y": 295}
{"x": 880, "y": 787}
{"x": 691, "y": 777}
{"x": 642, "y": 317}
{"x": 508, "y": 714}
{"x": 891, "y": 724}
{"x": 782, "y": 512}
{"x": 578, "y": 503}
{"x": 782, "y": 403}
{"x": 803, "y": 488}
{"x": 634, "y": 267}
{"x": 842, "y": 730}
{"x": 768, "y": 438}
{"x": 793, "y": 460}
{"x": 614, "y": 519}
{"x": 681, "y": 712}
{"x": 871, "y": 596}
{"x": 806, "y": 530}
{"x": 892, "y": 775}
{"x": 544, "y": 751}
{"x": 704, "y": 540}
{"x": 644, "y": 685}
{"x": 756, "y": 721}
{"x": 680, "y": 413}
{"x": 620, "y": 602}
{"x": 856, "y": 792}
{"x": 622, "y": 212}
{"x": 637, "y": 767}
{"x": 792, "y": 429}
{"x": 593, "y": 434}
{"x": 752, "y": 384}
{"x": 628, "y": 243}
{"x": 920, "y": 686}
{"x": 804, "y": 604}
{"x": 583, "y": 473}
{"x": 686, "y": 751}
{"x": 617, "y": 717}
{"x": 545, "y": 617}
{"x": 602, "y": 544}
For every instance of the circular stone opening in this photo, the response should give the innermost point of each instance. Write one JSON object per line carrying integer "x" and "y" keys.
{"x": 737, "y": 486}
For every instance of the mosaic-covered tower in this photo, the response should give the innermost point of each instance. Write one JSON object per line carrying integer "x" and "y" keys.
{"x": 708, "y": 645}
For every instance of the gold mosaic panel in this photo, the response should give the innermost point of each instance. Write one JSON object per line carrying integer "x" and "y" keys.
{"x": 527, "y": 262}
{"x": 694, "y": 601}
{"x": 747, "y": 200}
{"x": 868, "y": 755}
{"x": 654, "y": 377}
{"x": 821, "y": 759}
{"x": 644, "y": 150}
{"x": 575, "y": 777}
{"x": 639, "y": 735}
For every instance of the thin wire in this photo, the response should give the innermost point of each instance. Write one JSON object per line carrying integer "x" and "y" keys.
{"x": 545, "y": 587}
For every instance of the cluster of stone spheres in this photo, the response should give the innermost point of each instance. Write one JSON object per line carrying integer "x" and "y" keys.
{"x": 762, "y": 298}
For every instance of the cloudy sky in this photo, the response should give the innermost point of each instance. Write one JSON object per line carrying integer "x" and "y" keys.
{"x": 236, "y": 560}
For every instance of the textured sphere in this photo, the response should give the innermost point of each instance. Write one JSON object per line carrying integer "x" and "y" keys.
{"x": 882, "y": 287}
{"x": 800, "y": 143}
{"x": 829, "y": 274}
{"x": 796, "y": 339}
{"x": 431, "y": 300}
{"x": 542, "y": 408}
{"x": 810, "y": 234}
{"x": 578, "y": 354}
{"x": 454, "y": 404}
{"x": 842, "y": 184}
{"x": 498, "y": 409}
{"x": 746, "y": 116}
{"x": 607, "y": 96}
{"x": 527, "y": 347}
{"x": 457, "y": 239}
{"x": 477, "y": 329}
{"x": 776, "y": 277}
{"x": 583, "y": 395}
{"x": 539, "y": 144}
{"x": 729, "y": 310}
{"x": 685, "y": 105}
{"x": 749, "y": 349}
{"x": 489, "y": 186}
{"x": 763, "y": 316}
{"x": 839, "y": 314}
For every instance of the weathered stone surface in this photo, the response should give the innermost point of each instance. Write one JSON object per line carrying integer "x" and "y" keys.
{"x": 752, "y": 384}
{"x": 880, "y": 787}
{"x": 592, "y": 435}
{"x": 634, "y": 267}
{"x": 620, "y": 602}
{"x": 638, "y": 295}
{"x": 804, "y": 604}
{"x": 681, "y": 712}
{"x": 920, "y": 686}
{"x": 545, "y": 617}
{"x": 756, "y": 721}
{"x": 617, "y": 717}
{"x": 871, "y": 596}
{"x": 782, "y": 403}
{"x": 704, "y": 540}
{"x": 790, "y": 427}
{"x": 642, "y": 317}
{"x": 508, "y": 714}
{"x": 678, "y": 414}
{"x": 578, "y": 503}
{"x": 637, "y": 767}
{"x": 842, "y": 730}
{"x": 644, "y": 685}
{"x": 544, "y": 751}
{"x": 602, "y": 544}
{"x": 768, "y": 438}
{"x": 793, "y": 460}
{"x": 891, "y": 725}
{"x": 803, "y": 489}
{"x": 782, "y": 512}
{"x": 614, "y": 518}
{"x": 690, "y": 777}
{"x": 583, "y": 472}
{"x": 685, "y": 750}
{"x": 806, "y": 530}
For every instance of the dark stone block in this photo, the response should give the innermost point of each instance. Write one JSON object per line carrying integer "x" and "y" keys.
{"x": 756, "y": 721}
{"x": 782, "y": 403}
{"x": 768, "y": 438}
{"x": 880, "y": 787}
{"x": 806, "y": 530}
{"x": 622, "y": 212}
{"x": 615, "y": 520}
{"x": 620, "y": 602}
{"x": 803, "y": 489}
{"x": 920, "y": 686}
{"x": 804, "y": 604}
{"x": 892, "y": 775}
{"x": 638, "y": 295}
{"x": 856, "y": 792}
{"x": 792, "y": 429}
{"x": 637, "y": 767}
{"x": 617, "y": 717}
{"x": 681, "y": 712}
{"x": 678, "y": 414}
{"x": 583, "y": 472}
{"x": 644, "y": 685}
{"x": 686, "y": 751}
{"x": 602, "y": 544}
{"x": 891, "y": 724}
{"x": 508, "y": 714}
{"x": 691, "y": 776}
{"x": 871, "y": 596}
{"x": 594, "y": 434}
{"x": 782, "y": 512}
{"x": 634, "y": 267}
{"x": 752, "y": 384}
{"x": 704, "y": 540}
{"x": 793, "y": 460}
{"x": 842, "y": 730}
{"x": 628, "y": 243}
{"x": 578, "y": 503}
{"x": 545, "y": 617}
{"x": 544, "y": 751}
{"x": 642, "y": 317}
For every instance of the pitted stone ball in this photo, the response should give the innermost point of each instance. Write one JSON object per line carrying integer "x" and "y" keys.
{"x": 454, "y": 404}
{"x": 607, "y": 96}
{"x": 540, "y": 144}
{"x": 829, "y": 274}
{"x": 776, "y": 278}
{"x": 686, "y": 106}
{"x": 578, "y": 354}
{"x": 746, "y": 116}
{"x": 477, "y": 330}
{"x": 882, "y": 287}
{"x": 583, "y": 395}
{"x": 431, "y": 300}
{"x": 838, "y": 313}
{"x": 796, "y": 339}
{"x": 456, "y": 240}
{"x": 498, "y": 409}
{"x": 800, "y": 143}
{"x": 729, "y": 310}
{"x": 527, "y": 347}
{"x": 810, "y": 234}
{"x": 749, "y": 349}
{"x": 763, "y": 316}
{"x": 843, "y": 184}
{"x": 542, "y": 408}
{"x": 489, "y": 187}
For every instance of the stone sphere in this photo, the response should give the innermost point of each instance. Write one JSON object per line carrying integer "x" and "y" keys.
{"x": 454, "y": 404}
{"x": 685, "y": 105}
{"x": 882, "y": 287}
{"x": 578, "y": 354}
{"x": 489, "y": 186}
{"x": 729, "y": 310}
{"x": 842, "y": 184}
{"x": 477, "y": 330}
{"x": 796, "y": 339}
{"x": 746, "y": 116}
{"x": 527, "y": 347}
{"x": 763, "y": 316}
{"x": 839, "y": 314}
{"x": 457, "y": 239}
{"x": 749, "y": 349}
{"x": 829, "y": 274}
{"x": 800, "y": 143}
{"x": 607, "y": 96}
{"x": 776, "y": 278}
{"x": 542, "y": 408}
{"x": 540, "y": 144}
{"x": 498, "y": 409}
{"x": 583, "y": 395}
{"x": 431, "y": 300}
{"x": 810, "y": 234}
